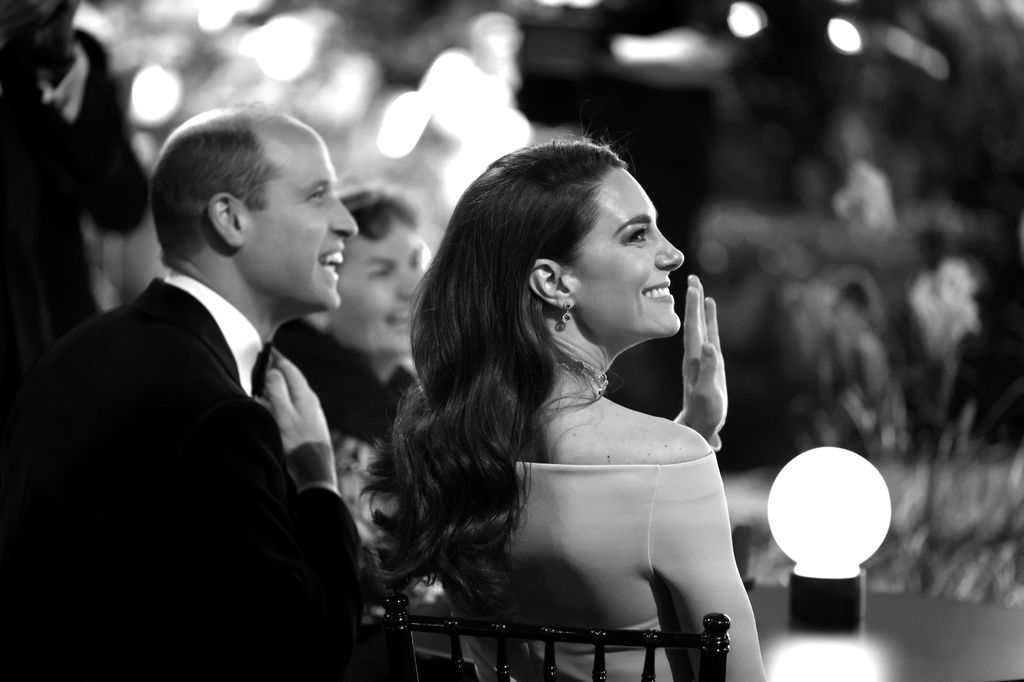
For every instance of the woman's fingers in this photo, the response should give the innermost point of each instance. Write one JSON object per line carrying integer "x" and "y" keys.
{"x": 693, "y": 338}
{"x": 694, "y": 281}
{"x": 711, "y": 315}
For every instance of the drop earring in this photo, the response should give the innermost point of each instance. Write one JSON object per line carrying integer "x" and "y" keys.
{"x": 560, "y": 325}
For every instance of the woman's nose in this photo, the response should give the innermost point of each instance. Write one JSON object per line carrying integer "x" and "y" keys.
{"x": 670, "y": 258}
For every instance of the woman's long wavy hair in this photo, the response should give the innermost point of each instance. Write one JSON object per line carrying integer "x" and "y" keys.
{"x": 445, "y": 487}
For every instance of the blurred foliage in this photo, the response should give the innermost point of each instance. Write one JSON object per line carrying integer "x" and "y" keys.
{"x": 892, "y": 347}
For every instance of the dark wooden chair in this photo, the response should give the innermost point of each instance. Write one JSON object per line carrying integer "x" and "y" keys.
{"x": 399, "y": 625}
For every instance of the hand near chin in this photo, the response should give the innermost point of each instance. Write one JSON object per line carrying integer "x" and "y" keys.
{"x": 705, "y": 396}
{"x": 304, "y": 433}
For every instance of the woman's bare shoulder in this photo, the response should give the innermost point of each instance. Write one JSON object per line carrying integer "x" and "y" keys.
{"x": 607, "y": 433}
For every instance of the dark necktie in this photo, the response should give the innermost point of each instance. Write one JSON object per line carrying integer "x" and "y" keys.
{"x": 259, "y": 370}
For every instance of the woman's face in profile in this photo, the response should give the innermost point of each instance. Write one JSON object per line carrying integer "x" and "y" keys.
{"x": 622, "y": 271}
{"x": 377, "y": 282}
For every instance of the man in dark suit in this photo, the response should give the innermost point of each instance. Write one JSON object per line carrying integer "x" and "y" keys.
{"x": 63, "y": 150}
{"x": 156, "y": 521}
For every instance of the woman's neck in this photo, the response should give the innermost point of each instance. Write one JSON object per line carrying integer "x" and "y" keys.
{"x": 584, "y": 352}
{"x": 592, "y": 377}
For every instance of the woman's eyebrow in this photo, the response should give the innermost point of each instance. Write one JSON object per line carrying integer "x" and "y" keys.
{"x": 643, "y": 218}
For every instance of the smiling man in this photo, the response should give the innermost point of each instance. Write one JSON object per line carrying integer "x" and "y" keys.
{"x": 157, "y": 521}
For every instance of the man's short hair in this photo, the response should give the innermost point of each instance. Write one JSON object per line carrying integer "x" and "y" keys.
{"x": 219, "y": 151}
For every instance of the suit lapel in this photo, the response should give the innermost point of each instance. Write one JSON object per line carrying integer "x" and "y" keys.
{"x": 178, "y": 307}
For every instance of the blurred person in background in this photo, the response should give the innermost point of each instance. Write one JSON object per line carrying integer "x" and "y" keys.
{"x": 358, "y": 360}
{"x": 63, "y": 150}
{"x": 509, "y": 477}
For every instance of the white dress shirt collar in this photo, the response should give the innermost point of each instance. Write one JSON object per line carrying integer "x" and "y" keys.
{"x": 242, "y": 337}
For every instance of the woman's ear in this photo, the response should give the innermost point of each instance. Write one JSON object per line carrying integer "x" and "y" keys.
{"x": 549, "y": 282}
{"x": 225, "y": 215}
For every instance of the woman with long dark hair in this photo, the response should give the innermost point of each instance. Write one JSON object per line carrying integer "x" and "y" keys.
{"x": 509, "y": 477}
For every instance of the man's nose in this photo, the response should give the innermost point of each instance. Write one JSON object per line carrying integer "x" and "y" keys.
{"x": 342, "y": 223}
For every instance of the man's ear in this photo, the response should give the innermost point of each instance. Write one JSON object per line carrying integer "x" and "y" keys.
{"x": 225, "y": 216}
{"x": 550, "y": 282}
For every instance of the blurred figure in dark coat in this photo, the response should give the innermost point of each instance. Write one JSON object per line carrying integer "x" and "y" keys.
{"x": 63, "y": 150}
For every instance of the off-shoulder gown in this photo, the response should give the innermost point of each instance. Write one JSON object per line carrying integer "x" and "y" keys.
{"x": 624, "y": 546}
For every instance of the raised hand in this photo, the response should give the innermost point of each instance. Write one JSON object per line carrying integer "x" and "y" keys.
{"x": 304, "y": 432}
{"x": 705, "y": 395}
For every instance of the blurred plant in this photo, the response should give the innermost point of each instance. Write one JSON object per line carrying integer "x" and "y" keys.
{"x": 866, "y": 198}
{"x": 882, "y": 384}
{"x": 838, "y": 332}
{"x": 957, "y": 525}
{"x": 944, "y": 310}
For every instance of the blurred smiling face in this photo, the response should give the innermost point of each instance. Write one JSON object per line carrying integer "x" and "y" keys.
{"x": 377, "y": 284}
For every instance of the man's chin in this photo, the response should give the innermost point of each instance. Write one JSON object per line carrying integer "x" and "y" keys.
{"x": 330, "y": 302}
{"x": 324, "y": 303}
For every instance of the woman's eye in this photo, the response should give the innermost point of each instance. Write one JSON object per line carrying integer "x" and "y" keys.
{"x": 639, "y": 236}
{"x": 318, "y": 195}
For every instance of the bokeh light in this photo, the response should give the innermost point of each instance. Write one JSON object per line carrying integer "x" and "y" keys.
{"x": 404, "y": 121}
{"x": 284, "y": 47}
{"x": 908, "y": 47}
{"x": 213, "y": 16}
{"x": 579, "y": 4}
{"x": 746, "y": 19}
{"x": 156, "y": 95}
{"x": 844, "y": 36}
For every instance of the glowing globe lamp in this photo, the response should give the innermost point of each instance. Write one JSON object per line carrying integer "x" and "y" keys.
{"x": 828, "y": 510}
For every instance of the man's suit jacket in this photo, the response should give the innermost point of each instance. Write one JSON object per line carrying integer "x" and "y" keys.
{"x": 148, "y": 528}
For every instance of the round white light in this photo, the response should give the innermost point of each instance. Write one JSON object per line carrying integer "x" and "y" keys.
{"x": 844, "y": 36}
{"x": 214, "y": 16}
{"x": 155, "y": 95}
{"x": 746, "y": 19}
{"x": 829, "y": 510}
{"x": 403, "y": 124}
{"x": 283, "y": 47}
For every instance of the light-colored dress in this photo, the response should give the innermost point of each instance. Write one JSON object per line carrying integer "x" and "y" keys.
{"x": 624, "y": 546}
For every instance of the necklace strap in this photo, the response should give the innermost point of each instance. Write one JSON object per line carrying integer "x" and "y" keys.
{"x": 597, "y": 378}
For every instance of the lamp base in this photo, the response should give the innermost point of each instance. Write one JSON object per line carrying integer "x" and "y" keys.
{"x": 827, "y": 603}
